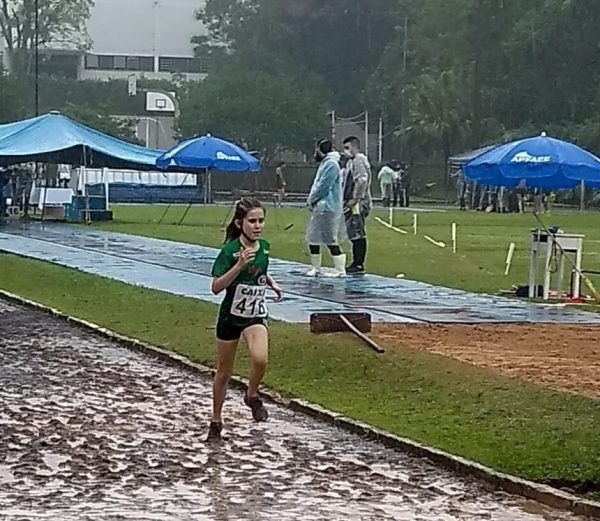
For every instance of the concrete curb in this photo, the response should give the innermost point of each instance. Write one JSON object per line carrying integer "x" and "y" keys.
{"x": 543, "y": 494}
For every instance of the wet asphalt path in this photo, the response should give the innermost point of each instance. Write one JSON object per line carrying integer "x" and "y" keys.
{"x": 92, "y": 431}
{"x": 184, "y": 269}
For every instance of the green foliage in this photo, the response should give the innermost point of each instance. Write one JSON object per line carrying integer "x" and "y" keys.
{"x": 95, "y": 103}
{"x": 11, "y": 106}
{"x": 336, "y": 44}
{"x": 436, "y": 115}
{"x": 59, "y": 23}
{"x": 100, "y": 119}
{"x": 445, "y": 75}
{"x": 520, "y": 67}
{"x": 264, "y": 111}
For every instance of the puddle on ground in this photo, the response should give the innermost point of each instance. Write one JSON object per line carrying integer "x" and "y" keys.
{"x": 184, "y": 269}
{"x": 91, "y": 431}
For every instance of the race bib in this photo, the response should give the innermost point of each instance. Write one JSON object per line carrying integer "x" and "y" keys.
{"x": 249, "y": 301}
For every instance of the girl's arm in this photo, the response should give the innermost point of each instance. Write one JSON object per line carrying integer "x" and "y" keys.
{"x": 276, "y": 289}
{"x": 224, "y": 281}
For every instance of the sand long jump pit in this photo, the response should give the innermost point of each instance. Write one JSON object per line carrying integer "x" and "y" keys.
{"x": 564, "y": 357}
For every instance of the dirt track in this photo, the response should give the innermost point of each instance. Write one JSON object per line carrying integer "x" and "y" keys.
{"x": 91, "y": 431}
{"x": 563, "y": 357}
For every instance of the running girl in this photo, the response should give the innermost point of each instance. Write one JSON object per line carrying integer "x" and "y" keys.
{"x": 241, "y": 271}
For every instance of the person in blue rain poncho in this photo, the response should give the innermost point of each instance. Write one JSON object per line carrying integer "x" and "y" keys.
{"x": 325, "y": 205}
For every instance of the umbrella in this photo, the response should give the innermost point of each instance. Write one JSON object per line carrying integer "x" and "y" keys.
{"x": 206, "y": 153}
{"x": 542, "y": 162}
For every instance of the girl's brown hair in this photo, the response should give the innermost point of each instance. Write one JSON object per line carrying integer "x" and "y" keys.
{"x": 242, "y": 209}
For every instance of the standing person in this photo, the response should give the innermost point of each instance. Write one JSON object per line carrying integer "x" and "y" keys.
{"x": 405, "y": 182}
{"x": 241, "y": 271}
{"x": 521, "y": 192}
{"x": 397, "y": 181}
{"x": 386, "y": 180}
{"x": 4, "y": 182}
{"x": 461, "y": 187}
{"x": 280, "y": 184}
{"x": 325, "y": 205}
{"x": 357, "y": 203}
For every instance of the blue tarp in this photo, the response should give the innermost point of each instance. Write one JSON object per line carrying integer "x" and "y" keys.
{"x": 54, "y": 138}
{"x": 541, "y": 162}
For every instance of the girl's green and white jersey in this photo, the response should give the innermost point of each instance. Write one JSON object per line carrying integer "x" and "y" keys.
{"x": 245, "y": 298}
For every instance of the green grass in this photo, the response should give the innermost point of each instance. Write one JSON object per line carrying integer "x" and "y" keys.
{"x": 509, "y": 425}
{"x": 483, "y": 241}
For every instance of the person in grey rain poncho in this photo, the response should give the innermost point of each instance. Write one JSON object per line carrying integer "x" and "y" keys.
{"x": 325, "y": 205}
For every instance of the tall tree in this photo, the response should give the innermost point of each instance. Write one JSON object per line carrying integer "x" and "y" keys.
{"x": 436, "y": 116}
{"x": 60, "y": 23}
{"x": 267, "y": 112}
{"x": 11, "y": 107}
{"x": 336, "y": 44}
{"x": 99, "y": 118}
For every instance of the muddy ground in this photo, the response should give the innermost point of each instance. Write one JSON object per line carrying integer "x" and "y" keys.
{"x": 92, "y": 431}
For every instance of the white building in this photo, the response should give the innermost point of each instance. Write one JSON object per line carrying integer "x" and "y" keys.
{"x": 150, "y": 37}
{"x": 143, "y": 37}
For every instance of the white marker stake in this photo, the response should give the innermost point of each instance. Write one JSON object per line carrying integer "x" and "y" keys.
{"x": 453, "y": 237}
{"x": 439, "y": 244}
{"x": 387, "y": 225}
{"x": 511, "y": 251}
{"x": 391, "y": 217}
{"x": 415, "y": 223}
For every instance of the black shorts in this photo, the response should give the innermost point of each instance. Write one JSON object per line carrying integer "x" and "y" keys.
{"x": 228, "y": 332}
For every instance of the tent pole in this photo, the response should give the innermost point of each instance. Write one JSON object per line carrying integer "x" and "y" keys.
{"x": 171, "y": 204}
{"x": 206, "y": 186}
{"x": 44, "y": 198}
{"x": 186, "y": 212}
{"x": 192, "y": 202}
{"x": 582, "y": 200}
{"x": 88, "y": 218}
{"x": 106, "y": 189}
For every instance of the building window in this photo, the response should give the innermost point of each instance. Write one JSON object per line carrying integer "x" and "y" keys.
{"x": 120, "y": 63}
{"x": 147, "y": 63}
{"x": 184, "y": 65}
{"x": 199, "y": 65}
{"x": 133, "y": 63}
{"x": 91, "y": 61}
{"x": 106, "y": 63}
{"x": 165, "y": 64}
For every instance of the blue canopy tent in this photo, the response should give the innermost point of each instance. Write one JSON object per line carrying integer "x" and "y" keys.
{"x": 54, "y": 138}
{"x": 206, "y": 153}
{"x": 542, "y": 162}
{"x": 459, "y": 160}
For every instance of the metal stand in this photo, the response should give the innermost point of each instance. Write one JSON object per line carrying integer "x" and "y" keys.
{"x": 549, "y": 246}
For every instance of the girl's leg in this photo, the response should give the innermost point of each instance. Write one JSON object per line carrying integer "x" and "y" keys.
{"x": 257, "y": 340}
{"x": 225, "y": 360}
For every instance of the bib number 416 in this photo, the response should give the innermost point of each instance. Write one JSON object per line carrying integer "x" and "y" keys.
{"x": 249, "y": 302}
{"x": 251, "y": 307}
